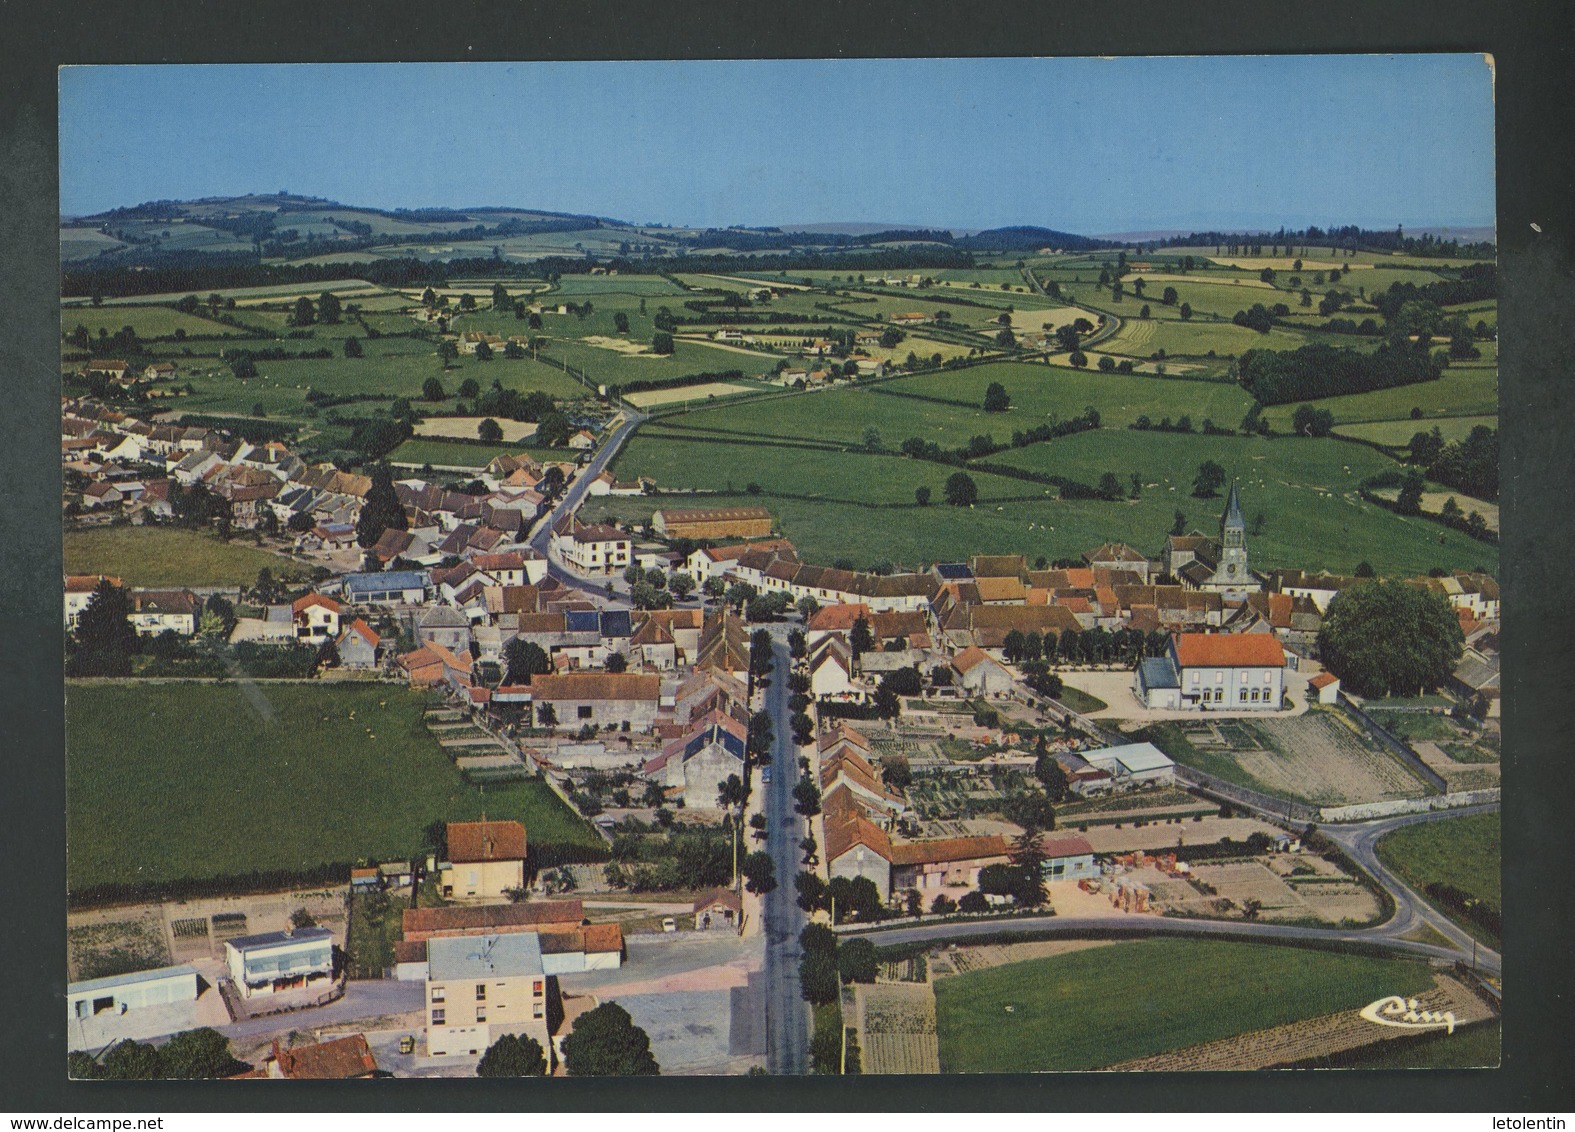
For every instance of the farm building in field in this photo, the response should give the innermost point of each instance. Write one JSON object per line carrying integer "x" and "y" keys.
{"x": 117, "y": 994}
{"x": 605, "y": 699}
{"x": 485, "y": 860}
{"x": 280, "y": 961}
{"x": 857, "y": 846}
{"x": 712, "y": 522}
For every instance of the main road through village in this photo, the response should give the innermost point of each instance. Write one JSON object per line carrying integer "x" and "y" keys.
{"x": 787, "y": 1016}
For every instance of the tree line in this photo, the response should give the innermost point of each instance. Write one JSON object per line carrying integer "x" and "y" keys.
{"x": 1275, "y": 377}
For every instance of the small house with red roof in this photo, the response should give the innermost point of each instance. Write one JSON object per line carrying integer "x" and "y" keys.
{"x": 358, "y": 645}
{"x": 485, "y": 860}
{"x": 1326, "y": 686}
{"x": 316, "y": 617}
{"x": 723, "y": 908}
{"x": 981, "y": 674}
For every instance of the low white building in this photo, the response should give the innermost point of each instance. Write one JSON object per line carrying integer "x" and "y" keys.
{"x": 273, "y": 962}
{"x": 1133, "y": 764}
{"x": 117, "y": 994}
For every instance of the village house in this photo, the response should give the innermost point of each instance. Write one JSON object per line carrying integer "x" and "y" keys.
{"x": 485, "y": 860}
{"x": 272, "y": 962}
{"x": 979, "y": 674}
{"x": 694, "y": 766}
{"x": 1068, "y": 856}
{"x": 592, "y": 548}
{"x": 165, "y": 611}
{"x": 358, "y": 646}
{"x": 79, "y": 591}
{"x": 316, "y": 617}
{"x": 339, "y": 1059}
{"x": 857, "y": 847}
{"x": 603, "y": 699}
{"x": 831, "y": 672}
{"x": 723, "y": 908}
{"x": 479, "y": 988}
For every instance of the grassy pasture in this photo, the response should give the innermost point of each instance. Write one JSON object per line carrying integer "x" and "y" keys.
{"x": 1399, "y": 433}
{"x": 434, "y": 450}
{"x": 1461, "y": 391}
{"x": 165, "y": 556}
{"x": 1095, "y": 1008}
{"x": 1305, "y": 489}
{"x": 1464, "y": 852}
{"x": 273, "y": 291}
{"x": 607, "y": 366}
{"x": 155, "y": 794}
{"x": 1140, "y": 338}
{"x": 147, "y": 321}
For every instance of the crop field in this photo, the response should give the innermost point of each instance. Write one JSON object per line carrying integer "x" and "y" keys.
{"x": 1314, "y": 758}
{"x": 318, "y": 774}
{"x": 1098, "y": 1007}
{"x": 273, "y": 291}
{"x": 166, "y": 556}
{"x": 1305, "y": 490}
{"x": 610, "y": 367}
{"x": 80, "y": 243}
{"x": 1463, "y": 852}
{"x": 684, "y": 393}
{"x": 466, "y": 428}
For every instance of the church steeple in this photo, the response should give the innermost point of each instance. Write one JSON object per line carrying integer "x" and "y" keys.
{"x": 1232, "y": 519}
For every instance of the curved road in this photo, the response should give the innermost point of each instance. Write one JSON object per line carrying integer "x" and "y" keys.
{"x": 1357, "y": 839}
{"x": 574, "y": 496}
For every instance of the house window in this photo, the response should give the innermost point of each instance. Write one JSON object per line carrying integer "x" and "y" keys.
{"x": 438, "y": 1017}
{"x": 439, "y": 994}
{"x": 586, "y": 711}
{"x": 1268, "y": 676}
{"x": 1242, "y": 695}
{"x": 538, "y": 1011}
{"x": 1219, "y": 677}
{"x": 481, "y": 992}
{"x": 481, "y": 1013}
{"x": 1195, "y": 675}
{"x": 1254, "y": 696}
{"x": 536, "y": 988}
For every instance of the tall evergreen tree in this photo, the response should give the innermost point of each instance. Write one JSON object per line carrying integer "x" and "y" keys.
{"x": 381, "y": 510}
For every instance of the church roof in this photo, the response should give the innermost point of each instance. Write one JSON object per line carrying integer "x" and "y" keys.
{"x": 1233, "y": 517}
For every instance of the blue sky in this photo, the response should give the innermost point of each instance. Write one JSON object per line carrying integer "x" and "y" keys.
{"x": 1086, "y": 145}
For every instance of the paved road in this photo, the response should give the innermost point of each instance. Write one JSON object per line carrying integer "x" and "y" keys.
{"x": 572, "y": 498}
{"x": 787, "y": 1015}
{"x": 1358, "y": 840}
{"x": 363, "y": 999}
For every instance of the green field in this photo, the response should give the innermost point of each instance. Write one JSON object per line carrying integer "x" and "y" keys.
{"x": 166, "y": 556}
{"x": 1463, "y": 852}
{"x": 1141, "y": 338}
{"x": 299, "y": 775}
{"x": 1110, "y": 1004}
{"x": 1399, "y": 433}
{"x": 1477, "y": 1047}
{"x": 1305, "y": 489}
{"x": 147, "y": 321}
{"x": 1462, "y": 391}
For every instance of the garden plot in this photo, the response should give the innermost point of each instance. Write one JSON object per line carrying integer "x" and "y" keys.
{"x": 896, "y": 1024}
{"x": 1315, "y": 758}
{"x": 116, "y": 943}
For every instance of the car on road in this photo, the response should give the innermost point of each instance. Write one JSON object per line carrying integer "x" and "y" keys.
{"x": 765, "y": 777}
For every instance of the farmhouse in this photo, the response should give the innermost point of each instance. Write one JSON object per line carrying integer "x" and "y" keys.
{"x": 273, "y": 962}
{"x": 712, "y": 522}
{"x": 421, "y": 924}
{"x": 604, "y": 699}
{"x": 358, "y": 645}
{"x": 485, "y": 860}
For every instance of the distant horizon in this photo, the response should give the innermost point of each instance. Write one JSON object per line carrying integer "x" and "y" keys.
{"x": 1070, "y": 144}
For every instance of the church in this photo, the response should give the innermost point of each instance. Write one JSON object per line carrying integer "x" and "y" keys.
{"x": 1220, "y": 565}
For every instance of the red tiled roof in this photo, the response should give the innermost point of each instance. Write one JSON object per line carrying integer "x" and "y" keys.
{"x": 485, "y": 841}
{"x": 1229, "y": 650}
{"x": 597, "y": 686}
{"x": 837, "y": 618}
{"x": 725, "y": 897}
{"x": 969, "y": 659}
{"x": 1069, "y": 845}
{"x": 423, "y": 923}
{"x": 326, "y": 1061}
{"x": 950, "y": 849}
{"x": 1323, "y": 680}
{"x": 304, "y": 603}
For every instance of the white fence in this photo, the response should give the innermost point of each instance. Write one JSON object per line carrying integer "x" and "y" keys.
{"x": 1367, "y": 811}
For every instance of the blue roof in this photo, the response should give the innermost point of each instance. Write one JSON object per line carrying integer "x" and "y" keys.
{"x": 615, "y": 623}
{"x": 1159, "y": 672}
{"x": 715, "y": 733}
{"x": 387, "y": 580}
{"x": 582, "y": 621}
{"x": 953, "y": 571}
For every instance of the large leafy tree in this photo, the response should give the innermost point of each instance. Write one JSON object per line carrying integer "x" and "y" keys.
{"x": 525, "y": 659}
{"x": 605, "y": 1042}
{"x": 1390, "y": 638}
{"x": 513, "y": 1055}
{"x": 381, "y": 510}
{"x": 961, "y": 491}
